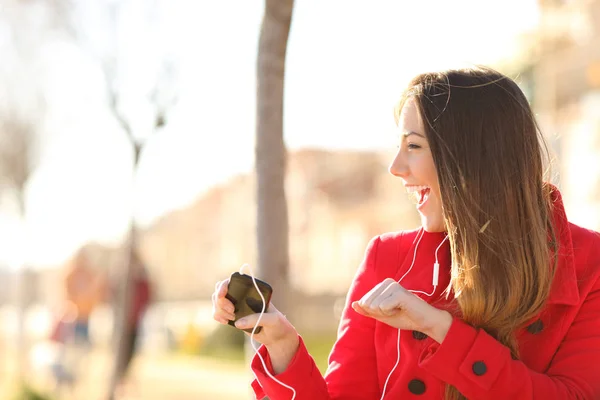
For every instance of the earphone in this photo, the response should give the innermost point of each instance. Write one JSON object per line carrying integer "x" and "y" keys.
{"x": 435, "y": 281}
{"x": 254, "y": 330}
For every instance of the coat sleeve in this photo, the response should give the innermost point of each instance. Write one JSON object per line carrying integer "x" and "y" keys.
{"x": 573, "y": 374}
{"x": 351, "y": 374}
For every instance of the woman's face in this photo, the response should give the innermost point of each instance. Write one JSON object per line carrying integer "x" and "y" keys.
{"x": 414, "y": 165}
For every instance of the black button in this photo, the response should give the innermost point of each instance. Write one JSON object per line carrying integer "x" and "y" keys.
{"x": 416, "y": 386}
{"x": 536, "y": 327}
{"x": 479, "y": 368}
{"x": 419, "y": 335}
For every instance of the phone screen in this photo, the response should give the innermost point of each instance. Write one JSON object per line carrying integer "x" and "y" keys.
{"x": 245, "y": 298}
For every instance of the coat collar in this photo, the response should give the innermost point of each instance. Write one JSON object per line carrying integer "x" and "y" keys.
{"x": 564, "y": 287}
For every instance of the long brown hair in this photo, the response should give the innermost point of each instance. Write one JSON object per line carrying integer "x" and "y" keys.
{"x": 490, "y": 160}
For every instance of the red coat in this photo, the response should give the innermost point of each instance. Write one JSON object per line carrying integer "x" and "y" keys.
{"x": 559, "y": 348}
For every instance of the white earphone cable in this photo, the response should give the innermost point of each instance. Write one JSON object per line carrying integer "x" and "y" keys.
{"x": 254, "y": 331}
{"x": 435, "y": 284}
{"x": 436, "y": 268}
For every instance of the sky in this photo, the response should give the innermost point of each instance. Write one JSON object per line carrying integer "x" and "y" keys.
{"x": 346, "y": 65}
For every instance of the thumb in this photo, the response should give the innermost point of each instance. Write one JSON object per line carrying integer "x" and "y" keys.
{"x": 269, "y": 318}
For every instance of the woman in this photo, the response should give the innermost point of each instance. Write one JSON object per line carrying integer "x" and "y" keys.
{"x": 515, "y": 310}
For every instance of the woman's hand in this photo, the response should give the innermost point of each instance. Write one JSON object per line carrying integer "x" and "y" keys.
{"x": 392, "y": 304}
{"x": 277, "y": 334}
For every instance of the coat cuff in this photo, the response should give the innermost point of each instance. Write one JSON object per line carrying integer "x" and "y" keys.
{"x": 466, "y": 356}
{"x": 296, "y": 374}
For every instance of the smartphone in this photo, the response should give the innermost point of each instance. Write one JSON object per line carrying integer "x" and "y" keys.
{"x": 245, "y": 298}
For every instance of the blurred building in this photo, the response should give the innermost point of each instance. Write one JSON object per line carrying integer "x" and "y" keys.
{"x": 561, "y": 73}
{"x": 337, "y": 201}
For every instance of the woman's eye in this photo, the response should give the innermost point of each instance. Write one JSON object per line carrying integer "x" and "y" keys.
{"x": 412, "y": 146}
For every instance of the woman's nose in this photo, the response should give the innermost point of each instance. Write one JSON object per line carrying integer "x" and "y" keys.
{"x": 398, "y": 167}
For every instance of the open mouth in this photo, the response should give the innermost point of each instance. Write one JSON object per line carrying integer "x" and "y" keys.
{"x": 420, "y": 193}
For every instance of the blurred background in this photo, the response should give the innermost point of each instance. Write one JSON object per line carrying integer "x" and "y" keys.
{"x": 129, "y": 132}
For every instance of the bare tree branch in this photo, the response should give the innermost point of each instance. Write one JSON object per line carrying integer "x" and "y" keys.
{"x": 163, "y": 97}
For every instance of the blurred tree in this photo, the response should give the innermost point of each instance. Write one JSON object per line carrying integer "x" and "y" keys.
{"x": 110, "y": 36}
{"x": 26, "y": 28}
{"x": 160, "y": 96}
{"x": 272, "y": 210}
{"x": 17, "y": 142}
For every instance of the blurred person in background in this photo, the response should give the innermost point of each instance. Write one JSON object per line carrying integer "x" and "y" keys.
{"x": 495, "y": 296}
{"x": 84, "y": 289}
{"x": 62, "y": 366}
{"x": 142, "y": 296}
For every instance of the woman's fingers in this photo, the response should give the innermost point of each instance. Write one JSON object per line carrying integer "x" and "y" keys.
{"x": 220, "y": 319}
{"x": 373, "y": 298}
{"x": 392, "y": 303}
{"x": 223, "y": 309}
{"x": 367, "y": 300}
{"x": 383, "y": 300}
{"x": 223, "y": 316}
{"x": 275, "y": 323}
{"x": 358, "y": 308}
{"x": 221, "y": 289}
{"x": 225, "y": 305}
{"x": 384, "y": 297}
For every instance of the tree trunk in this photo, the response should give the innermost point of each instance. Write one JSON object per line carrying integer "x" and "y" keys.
{"x": 272, "y": 213}
{"x": 124, "y": 298}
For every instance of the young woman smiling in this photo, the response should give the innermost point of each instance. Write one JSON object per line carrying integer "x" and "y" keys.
{"x": 496, "y": 296}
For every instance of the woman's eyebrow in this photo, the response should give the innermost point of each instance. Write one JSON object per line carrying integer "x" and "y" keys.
{"x": 407, "y": 134}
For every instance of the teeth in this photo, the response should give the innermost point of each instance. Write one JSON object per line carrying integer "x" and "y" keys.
{"x": 414, "y": 188}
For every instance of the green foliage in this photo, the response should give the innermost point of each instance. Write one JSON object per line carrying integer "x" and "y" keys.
{"x": 319, "y": 348}
{"x": 227, "y": 343}
{"x": 224, "y": 342}
{"x": 27, "y": 392}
